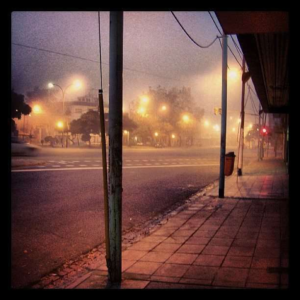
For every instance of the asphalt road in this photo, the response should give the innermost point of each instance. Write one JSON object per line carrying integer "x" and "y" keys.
{"x": 57, "y": 206}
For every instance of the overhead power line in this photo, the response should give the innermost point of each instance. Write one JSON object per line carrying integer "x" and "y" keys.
{"x": 223, "y": 34}
{"x": 91, "y": 60}
{"x": 201, "y": 46}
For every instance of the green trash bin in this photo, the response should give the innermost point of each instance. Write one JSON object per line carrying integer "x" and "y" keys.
{"x": 229, "y": 163}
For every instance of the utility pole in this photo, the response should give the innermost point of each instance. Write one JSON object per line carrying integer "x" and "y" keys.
{"x": 115, "y": 144}
{"x": 245, "y": 78}
{"x": 223, "y": 118}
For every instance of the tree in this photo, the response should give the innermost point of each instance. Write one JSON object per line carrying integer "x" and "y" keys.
{"x": 18, "y": 106}
{"x": 163, "y": 112}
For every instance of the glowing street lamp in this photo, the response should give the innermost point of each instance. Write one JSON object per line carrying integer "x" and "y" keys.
{"x": 156, "y": 133}
{"x": 185, "y": 118}
{"x": 36, "y": 109}
{"x": 145, "y": 99}
{"x": 173, "y": 136}
{"x": 163, "y": 108}
{"x": 141, "y": 110}
{"x": 60, "y": 124}
{"x": 206, "y": 123}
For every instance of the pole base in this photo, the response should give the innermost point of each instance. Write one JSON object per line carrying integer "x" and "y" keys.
{"x": 221, "y": 193}
{"x": 239, "y": 172}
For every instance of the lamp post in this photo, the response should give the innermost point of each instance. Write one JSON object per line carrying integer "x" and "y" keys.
{"x": 76, "y": 84}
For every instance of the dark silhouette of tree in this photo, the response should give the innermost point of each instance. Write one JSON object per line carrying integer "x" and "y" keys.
{"x": 18, "y": 106}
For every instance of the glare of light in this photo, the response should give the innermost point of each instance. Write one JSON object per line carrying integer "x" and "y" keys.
{"x": 50, "y": 85}
{"x": 239, "y": 120}
{"x": 216, "y": 127}
{"x": 77, "y": 84}
{"x": 264, "y": 130}
{"x": 156, "y": 133}
{"x": 135, "y": 138}
{"x": 233, "y": 74}
{"x": 163, "y": 108}
{"x": 141, "y": 110}
{"x": 250, "y": 126}
{"x": 185, "y": 118}
{"x": 125, "y": 131}
{"x": 173, "y": 136}
{"x": 144, "y": 99}
{"x": 206, "y": 123}
{"x": 36, "y": 109}
{"x": 60, "y": 124}
{"x": 233, "y": 129}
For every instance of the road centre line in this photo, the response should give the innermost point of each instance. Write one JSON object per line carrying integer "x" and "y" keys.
{"x": 100, "y": 168}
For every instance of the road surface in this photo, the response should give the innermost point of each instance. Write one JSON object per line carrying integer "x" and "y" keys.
{"x": 57, "y": 206}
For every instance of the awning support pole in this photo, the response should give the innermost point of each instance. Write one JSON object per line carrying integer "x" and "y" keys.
{"x": 223, "y": 120}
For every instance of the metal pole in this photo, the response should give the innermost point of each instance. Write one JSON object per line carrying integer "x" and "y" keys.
{"x": 223, "y": 120}
{"x": 115, "y": 143}
{"x": 241, "y": 141}
{"x": 104, "y": 166}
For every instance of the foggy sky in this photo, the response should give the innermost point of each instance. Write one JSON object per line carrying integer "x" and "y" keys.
{"x": 154, "y": 43}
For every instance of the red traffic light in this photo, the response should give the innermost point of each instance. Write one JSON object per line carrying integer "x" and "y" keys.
{"x": 264, "y": 131}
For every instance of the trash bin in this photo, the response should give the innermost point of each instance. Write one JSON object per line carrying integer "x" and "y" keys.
{"x": 229, "y": 163}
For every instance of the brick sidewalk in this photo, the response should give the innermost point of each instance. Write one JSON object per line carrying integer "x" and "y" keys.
{"x": 214, "y": 243}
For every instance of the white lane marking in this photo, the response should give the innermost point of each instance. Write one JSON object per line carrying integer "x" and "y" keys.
{"x": 100, "y": 168}
{"x": 82, "y": 165}
{"x": 69, "y": 165}
{"x": 56, "y": 166}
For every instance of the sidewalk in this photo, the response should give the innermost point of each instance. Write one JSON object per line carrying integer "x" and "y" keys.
{"x": 237, "y": 242}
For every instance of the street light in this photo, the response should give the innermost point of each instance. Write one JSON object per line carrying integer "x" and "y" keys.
{"x": 36, "y": 109}
{"x": 185, "y": 118}
{"x": 77, "y": 84}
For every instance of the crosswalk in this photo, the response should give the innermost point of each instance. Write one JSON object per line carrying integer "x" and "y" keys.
{"x": 127, "y": 163}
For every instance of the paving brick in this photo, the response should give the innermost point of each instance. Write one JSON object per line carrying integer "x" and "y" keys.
{"x": 244, "y": 243}
{"x": 220, "y": 242}
{"x": 241, "y": 251}
{"x": 172, "y": 270}
{"x": 182, "y": 258}
{"x": 264, "y": 263}
{"x": 262, "y": 276}
{"x": 146, "y": 268}
{"x": 133, "y": 254}
{"x": 209, "y": 260}
{"x": 176, "y": 239}
{"x": 156, "y": 256}
{"x": 215, "y": 250}
{"x": 232, "y": 274}
{"x": 165, "y": 247}
{"x": 197, "y": 241}
{"x": 133, "y": 284}
{"x": 201, "y": 273}
{"x": 183, "y": 233}
{"x": 196, "y": 249}
{"x": 237, "y": 262}
{"x": 267, "y": 252}
{"x": 146, "y": 246}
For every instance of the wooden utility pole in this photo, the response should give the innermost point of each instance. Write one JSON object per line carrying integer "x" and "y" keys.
{"x": 223, "y": 120}
{"x": 115, "y": 144}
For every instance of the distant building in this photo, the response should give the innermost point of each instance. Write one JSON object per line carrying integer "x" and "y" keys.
{"x": 75, "y": 109}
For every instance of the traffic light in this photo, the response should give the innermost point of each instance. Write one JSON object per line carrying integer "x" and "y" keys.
{"x": 264, "y": 131}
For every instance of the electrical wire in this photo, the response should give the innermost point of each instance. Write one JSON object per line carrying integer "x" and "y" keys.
{"x": 91, "y": 60}
{"x": 223, "y": 34}
{"x": 201, "y": 46}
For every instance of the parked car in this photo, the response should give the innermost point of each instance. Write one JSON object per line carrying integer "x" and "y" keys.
{"x": 21, "y": 148}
